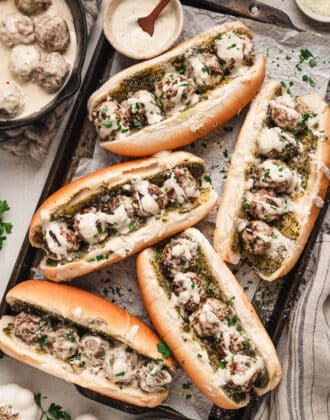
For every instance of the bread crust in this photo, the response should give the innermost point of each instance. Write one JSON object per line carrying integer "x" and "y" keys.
{"x": 91, "y": 311}
{"x": 234, "y": 186}
{"x": 185, "y": 350}
{"x": 115, "y": 175}
{"x": 186, "y": 127}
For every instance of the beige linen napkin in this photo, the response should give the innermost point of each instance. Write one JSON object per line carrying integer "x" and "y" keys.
{"x": 304, "y": 349}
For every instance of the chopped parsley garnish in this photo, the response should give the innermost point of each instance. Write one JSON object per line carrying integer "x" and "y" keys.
{"x": 127, "y": 250}
{"x": 193, "y": 285}
{"x": 204, "y": 69}
{"x": 5, "y": 227}
{"x": 312, "y": 62}
{"x": 53, "y": 412}
{"x": 305, "y": 54}
{"x": 139, "y": 123}
{"x": 308, "y": 80}
{"x": 231, "y": 46}
{"x": 107, "y": 124}
{"x": 232, "y": 321}
{"x": 218, "y": 36}
{"x": 111, "y": 361}
{"x": 245, "y": 342}
{"x": 42, "y": 340}
{"x": 70, "y": 336}
{"x": 100, "y": 257}
{"x": 137, "y": 105}
{"x": 221, "y": 364}
{"x": 132, "y": 227}
{"x": 164, "y": 350}
{"x": 199, "y": 355}
{"x": 105, "y": 110}
{"x": 120, "y": 374}
{"x": 208, "y": 179}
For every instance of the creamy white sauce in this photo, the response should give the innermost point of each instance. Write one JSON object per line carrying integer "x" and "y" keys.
{"x": 286, "y": 104}
{"x": 189, "y": 291}
{"x": 318, "y": 201}
{"x": 273, "y": 139}
{"x": 278, "y": 205}
{"x": 323, "y": 168}
{"x": 153, "y": 112}
{"x": 35, "y": 97}
{"x": 148, "y": 203}
{"x": 277, "y": 173}
{"x": 232, "y": 47}
{"x": 128, "y": 33}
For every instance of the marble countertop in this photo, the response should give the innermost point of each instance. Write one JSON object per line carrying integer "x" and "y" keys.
{"x": 21, "y": 183}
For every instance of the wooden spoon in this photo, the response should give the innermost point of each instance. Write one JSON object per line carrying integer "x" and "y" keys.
{"x": 147, "y": 23}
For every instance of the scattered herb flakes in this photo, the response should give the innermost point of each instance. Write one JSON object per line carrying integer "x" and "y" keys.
{"x": 188, "y": 396}
{"x": 54, "y": 411}
{"x": 199, "y": 355}
{"x": 5, "y": 227}
{"x": 225, "y": 154}
{"x": 309, "y": 80}
{"x": 221, "y": 364}
{"x": 303, "y": 281}
{"x": 208, "y": 179}
{"x": 164, "y": 350}
{"x": 132, "y": 227}
{"x": 107, "y": 124}
{"x": 186, "y": 385}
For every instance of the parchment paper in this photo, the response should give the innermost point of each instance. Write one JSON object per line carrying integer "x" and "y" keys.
{"x": 282, "y": 47}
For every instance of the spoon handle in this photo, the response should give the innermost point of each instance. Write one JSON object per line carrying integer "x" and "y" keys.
{"x": 157, "y": 10}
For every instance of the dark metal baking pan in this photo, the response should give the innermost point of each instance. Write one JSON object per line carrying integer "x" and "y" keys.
{"x": 79, "y": 141}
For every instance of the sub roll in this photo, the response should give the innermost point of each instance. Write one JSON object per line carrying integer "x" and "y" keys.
{"x": 115, "y": 212}
{"x": 86, "y": 340}
{"x": 171, "y": 100}
{"x": 277, "y": 182}
{"x": 200, "y": 310}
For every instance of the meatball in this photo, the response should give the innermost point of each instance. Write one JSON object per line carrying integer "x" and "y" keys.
{"x": 274, "y": 143}
{"x": 276, "y": 175}
{"x": 111, "y": 120}
{"x": 234, "y": 50}
{"x": 210, "y": 318}
{"x": 28, "y": 327}
{"x": 60, "y": 239}
{"x": 91, "y": 226}
{"x": 204, "y": 69}
{"x": 179, "y": 255}
{"x": 287, "y": 112}
{"x": 189, "y": 289}
{"x": 176, "y": 91}
{"x": 23, "y": 61}
{"x": 181, "y": 186}
{"x": 153, "y": 377}
{"x": 64, "y": 342}
{"x": 32, "y": 6}
{"x": 231, "y": 342}
{"x": 111, "y": 204}
{"x": 148, "y": 199}
{"x": 257, "y": 237}
{"x": 11, "y": 100}
{"x": 243, "y": 371}
{"x": 142, "y": 109}
{"x": 16, "y": 29}
{"x": 92, "y": 350}
{"x": 265, "y": 205}
{"x": 120, "y": 365}
{"x": 51, "y": 72}
{"x": 52, "y": 33}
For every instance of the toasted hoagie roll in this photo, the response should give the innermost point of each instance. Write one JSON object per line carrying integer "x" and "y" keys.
{"x": 201, "y": 311}
{"x": 171, "y": 100}
{"x": 276, "y": 183}
{"x": 115, "y": 212}
{"x": 84, "y": 339}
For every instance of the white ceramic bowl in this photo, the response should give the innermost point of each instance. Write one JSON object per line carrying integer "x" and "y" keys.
{"x": 115, "y": 30}
{"x": 308, "y": 12}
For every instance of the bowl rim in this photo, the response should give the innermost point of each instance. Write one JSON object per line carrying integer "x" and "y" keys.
{"x": 74, "y": 79}
{"x": 121, "y": 47}
{"x": 308, "y": 12}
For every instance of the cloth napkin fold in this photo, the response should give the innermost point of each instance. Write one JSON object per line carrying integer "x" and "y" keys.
{"x": 304, "y": 348}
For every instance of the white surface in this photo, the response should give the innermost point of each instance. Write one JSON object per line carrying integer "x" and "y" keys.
{"x": 311, "y": 14}
{"x": 21, "y": 182}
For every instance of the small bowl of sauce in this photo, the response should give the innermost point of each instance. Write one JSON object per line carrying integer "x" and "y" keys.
{"x": 126, "y": 36}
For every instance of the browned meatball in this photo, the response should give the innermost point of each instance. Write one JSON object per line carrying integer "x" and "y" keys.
{"x": 28, "y": 327}
{"x": 90, "y": 226}
{"x": 149, "y": 199}
{"x": 16, "y": 29}
{"x": 275, "y": 143}
{"x": 237, "y": 369}
{"x": 153, "y": 377}
{"x": 142, "y": 109}
{"x": 111, "y": 120}
{"x": 175, "y": 91}
{"x": 52, "y": 33}
{"x": 92, "y": 350}
{"x": 60, "y": 239}
{"x": 208, "y": 320}
{"x": 276, "y": 175}
{"x": 64, "y": 342}
{"x": 287, "y": 112}
{"x": 111, "y": 204}
{"x": 181, "y": 186}
{"x": 189, "y": 289}
{"x": 179, "y": 255}
{"x": 120, "y": 365}
{"x": 51, "y": 72}
{"x": 257, "y": 237}
{"x": 204, "y": 69}
{"x": 265, "y": 205}
{"x": 32, "y": 6}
